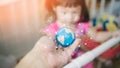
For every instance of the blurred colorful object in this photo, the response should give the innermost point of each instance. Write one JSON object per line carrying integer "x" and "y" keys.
{"x": 65, "y": 37}
{"x": 106, "y": 22}
{"x": 103, "y": 23}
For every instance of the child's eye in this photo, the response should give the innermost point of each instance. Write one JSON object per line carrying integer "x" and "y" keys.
{"x": 74, "y": 12}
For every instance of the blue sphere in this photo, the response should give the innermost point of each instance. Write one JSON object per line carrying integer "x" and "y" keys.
{"x": 65, "y": 37}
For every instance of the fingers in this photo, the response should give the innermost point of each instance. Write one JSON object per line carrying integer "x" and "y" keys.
{"x": 65, "y": 56}
{"x": 45, "y": 44}
{"x": 71, "y": 49}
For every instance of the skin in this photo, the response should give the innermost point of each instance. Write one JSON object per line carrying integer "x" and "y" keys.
{"x": 102, "y": 36}
{"x": 45, "y": 55}
{"x": 67, "y": 16}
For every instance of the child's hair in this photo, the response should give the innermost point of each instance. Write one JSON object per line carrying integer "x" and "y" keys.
{"x": 49, "y": 4}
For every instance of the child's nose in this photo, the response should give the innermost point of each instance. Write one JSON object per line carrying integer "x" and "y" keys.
{"x": 69, "y": 17}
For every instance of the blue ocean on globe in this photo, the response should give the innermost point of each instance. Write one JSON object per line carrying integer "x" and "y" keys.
{"x": 65, "y": 37}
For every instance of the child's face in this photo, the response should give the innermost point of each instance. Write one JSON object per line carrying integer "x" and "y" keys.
{"x": 68, "y": 15}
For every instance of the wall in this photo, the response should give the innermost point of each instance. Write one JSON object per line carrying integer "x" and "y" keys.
{"x": 20, "y": 24}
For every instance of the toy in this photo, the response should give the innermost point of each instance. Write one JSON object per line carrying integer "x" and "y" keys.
{"x": 65, "y": 37}
{"x": 106, "y": 21}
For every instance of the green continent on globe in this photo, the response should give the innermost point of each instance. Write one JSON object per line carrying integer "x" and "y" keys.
{"x": 65, "y": 37}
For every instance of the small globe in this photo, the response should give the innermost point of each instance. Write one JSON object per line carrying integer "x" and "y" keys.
{"x": 65, "y": 37}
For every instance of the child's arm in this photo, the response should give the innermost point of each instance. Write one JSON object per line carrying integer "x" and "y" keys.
{"x": 116, "y": 33}
{"x": 99, "y": 36}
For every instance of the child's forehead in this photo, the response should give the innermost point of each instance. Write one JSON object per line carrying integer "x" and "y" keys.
{"x": 71, "y": 7}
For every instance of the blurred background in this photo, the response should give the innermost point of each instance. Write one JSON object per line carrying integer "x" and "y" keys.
{"x": 21, "y": 21}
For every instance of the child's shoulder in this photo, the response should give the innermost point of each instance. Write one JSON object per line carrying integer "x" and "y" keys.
{"x": 82, "y": 28}
{"x": 83, "y": 25}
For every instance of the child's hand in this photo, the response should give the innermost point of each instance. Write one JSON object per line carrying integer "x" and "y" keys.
{"x": 45, "y": 51}
{"x": 116, "y": 33}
